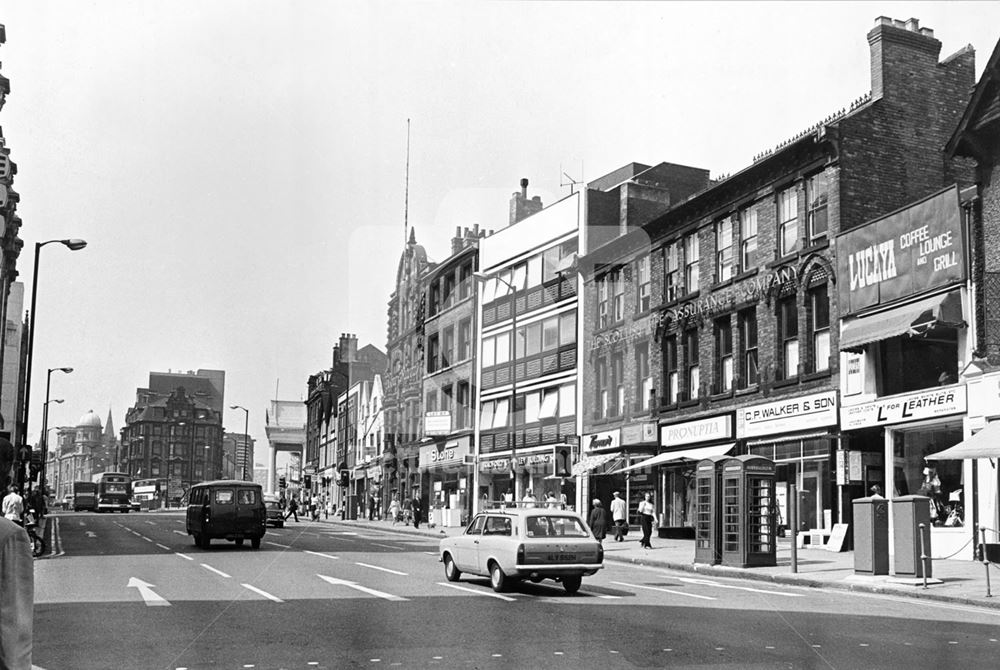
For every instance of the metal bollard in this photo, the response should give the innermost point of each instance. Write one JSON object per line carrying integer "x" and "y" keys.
{"x": 793, "y": 523}
{"x": 986, "y": 563}
{"x": 923, "y": 553}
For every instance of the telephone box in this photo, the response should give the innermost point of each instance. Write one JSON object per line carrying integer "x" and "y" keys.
{"x": 749, "y": 528}
{"x": 708, "y": 510}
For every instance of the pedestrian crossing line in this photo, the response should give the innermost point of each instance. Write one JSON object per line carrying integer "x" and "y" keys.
{"x": 262, "y": 593}
{"x": 283, "y": 546}
{"x": 215, "y": 570}
{"x": 376, "y": 567}
{"x": 477, "y": 592}
{"x": 662, "y": 590}
{"x": 316, "y": 553}
{"x": 184, "y": 556}
{"x": 709, "y": 582}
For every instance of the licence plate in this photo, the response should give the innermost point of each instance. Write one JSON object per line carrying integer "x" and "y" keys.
{"x": 562, "y": 558}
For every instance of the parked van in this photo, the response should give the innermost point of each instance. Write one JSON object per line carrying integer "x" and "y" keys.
{"x": 229, "y": 509}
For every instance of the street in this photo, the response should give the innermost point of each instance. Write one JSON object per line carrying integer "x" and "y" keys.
{"x": 131, "y": 591}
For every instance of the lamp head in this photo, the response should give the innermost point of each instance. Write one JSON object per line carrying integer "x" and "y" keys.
{"x": 66, "y": 370}
{"x": 74, "y": 244}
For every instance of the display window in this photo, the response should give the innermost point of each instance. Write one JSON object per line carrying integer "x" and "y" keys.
{"x": 941, "y": 481}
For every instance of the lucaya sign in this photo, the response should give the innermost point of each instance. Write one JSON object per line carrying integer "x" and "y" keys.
{"x": 905, "y": 407}
{"x": 905, "y": 253}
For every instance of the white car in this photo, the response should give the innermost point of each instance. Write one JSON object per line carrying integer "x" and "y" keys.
{"x": 536, "y": 543}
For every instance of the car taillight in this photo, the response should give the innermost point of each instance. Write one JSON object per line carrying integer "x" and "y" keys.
{"x": 520, "y": 554}
{"x": 600, "y": 554}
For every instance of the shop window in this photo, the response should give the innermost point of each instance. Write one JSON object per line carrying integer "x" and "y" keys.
{"x": 940, "y": 481}
{"x": 817, "y": 195}
{"x": 723, "y": 354}
{"x": 788, "y": 221}
{"x": 788, "y": 334}
{"x": 643, "y": 379}
{"x": 643, "y": 284}
{"x": 819, "y": 327}
{"x": 670, "y": 373}
{"x": 748, "y": 239}
{"x": 671, "y": 272}
{"x": 692, "y": 256}
{"x": 724, "y": 257}
{"x": 692, "y": 376}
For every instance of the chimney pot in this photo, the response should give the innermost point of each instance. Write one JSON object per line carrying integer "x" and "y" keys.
{"x": 927, "y": 32}
{"x": 913, "y": 25}
{"x": 524, "y": 187}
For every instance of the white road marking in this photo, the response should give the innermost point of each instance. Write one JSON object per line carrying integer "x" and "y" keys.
{"x": 185, "y": 556}
{"x": 477, "y": 591}
{"x": 180, "y": 532}
{"x": 656, "y": 588}
{"x": 375, "y": 567}
{"x": 316, "y": 553}
{"x": 263, "y": 593}
{"x": 91, "y": 533}
{"x": 388, "y": 546}
{"x": 216, "y": 571}
{"x": 150, "y": 523}
{"x": 146, "y": 591}
{"x": 363, "y": 589}
{"x": 283, "y": 546}
{"x": 708, "y": 582}
{"x": 146, "y": 538}
{"x": 162, "y": 546}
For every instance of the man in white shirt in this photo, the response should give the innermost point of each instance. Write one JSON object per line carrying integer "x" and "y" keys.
{"x": 529, "y": 499}
{"x": 619, "y": 514}
{"x": 13, "y": 505}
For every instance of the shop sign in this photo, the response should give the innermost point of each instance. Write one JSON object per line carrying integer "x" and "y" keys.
{"x": 446, "y": 453}
{"x": 848, "y": 467}
{"x": 437, "y": 423}
{"x": 854, "y": 373}
{"x": 905, "y": 407}
{"x": 624, "y": 335}
{"x": 527, "y": 461}
{"x": 788, "y": 416}
{"x": 691, "y": 432}
{"x": 374, "y": 472}
{"x": 495, "y": 465}
{"x": 608, "y": 439}
{"x": 905, "y": 253}
{"x": 639, "y": 433}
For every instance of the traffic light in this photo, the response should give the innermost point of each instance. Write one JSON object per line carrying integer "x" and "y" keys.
{"x": 345, "y": 477}
{"x": 281, "y": 482}
{"x": 562, "y": 461}
{"x": 307, "y": 481}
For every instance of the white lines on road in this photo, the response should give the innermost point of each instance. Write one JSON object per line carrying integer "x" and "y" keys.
{"x": 478, "y": 592}
{"x": 145, "y": 590}
{"x": 263, "y": 593}
{"x": 388, "y": 546}
{"x": 283, "y": 546}
{"x": 215, "y": 570}
{"x": 180, "y": 532}
{"x": 708, "y": 582}
{"x": 163, "y": 546}
{"x": 662, "y": 590}
{"x": 316, "y": 553}
{"x": 184, "y": 556}
{"x": 151, "y": 523}
{"x": 375, "y": 567}
{"x": 363, "y": 589}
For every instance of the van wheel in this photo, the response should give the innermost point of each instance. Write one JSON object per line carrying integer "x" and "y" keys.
{"x": 239, "y": 542}
{"x": 451, "y": 571}
{"x": 255, "y": 542}
{"x": 572, "y": 583}
{"x": 205, "y": 541}
{"x": 197, "y": 539}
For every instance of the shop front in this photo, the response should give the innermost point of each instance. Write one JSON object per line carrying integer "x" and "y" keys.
{"x": 447, "y": 465}
{"x": 600, "y": 471}
{"x": 799, "y": 434}
{"x": 531, "y": 470}
{"x": 911, "y": 427}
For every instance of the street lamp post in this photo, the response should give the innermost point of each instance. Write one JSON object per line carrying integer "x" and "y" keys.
{"x": 72, "y": 245}
{"x": 246, "y": 436}
{"x": 45, "y": 414}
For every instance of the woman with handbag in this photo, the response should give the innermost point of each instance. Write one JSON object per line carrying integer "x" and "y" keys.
{"x": 647, "y": 514}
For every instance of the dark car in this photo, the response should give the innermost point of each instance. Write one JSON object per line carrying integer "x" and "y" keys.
{"x": 275, "y": 512}
{"x": 232, "y": 510}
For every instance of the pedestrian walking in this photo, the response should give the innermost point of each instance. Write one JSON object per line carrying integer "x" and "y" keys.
{"x": 599, "y": 521}
{"x": 17, "y": 595}
{"x": 371, "y": 507}
{"x": 619, "y": 514}
{"x": 13, "y": 505}
{"x": 394, "y": 509}
{"x": 293, "y": 509}
{"x": 416, "y": 509}
{"x": 647, "y": 514}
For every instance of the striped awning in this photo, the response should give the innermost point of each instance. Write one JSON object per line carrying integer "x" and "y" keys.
{"x": 588, "y": 463}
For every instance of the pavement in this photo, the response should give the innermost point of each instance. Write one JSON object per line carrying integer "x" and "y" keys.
{"x": 955, "y": 581}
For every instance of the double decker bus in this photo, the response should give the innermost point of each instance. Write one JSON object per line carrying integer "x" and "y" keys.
{"x": 146, "y": 493}
{"x": 84, "y": 496}
{"x": 114, "y": 490}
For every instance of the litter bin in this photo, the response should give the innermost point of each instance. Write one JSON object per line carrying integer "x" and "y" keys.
{"x": 908, "y": 512}
{"x": 871, "y": 535}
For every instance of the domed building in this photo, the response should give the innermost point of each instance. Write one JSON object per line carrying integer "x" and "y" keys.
{"x": 81, "y": 451}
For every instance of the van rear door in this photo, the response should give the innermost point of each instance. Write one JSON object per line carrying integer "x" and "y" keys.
{"x": 250, "y": 512}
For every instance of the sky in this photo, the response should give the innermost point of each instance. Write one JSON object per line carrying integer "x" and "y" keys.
{"x": 239, "y": 169}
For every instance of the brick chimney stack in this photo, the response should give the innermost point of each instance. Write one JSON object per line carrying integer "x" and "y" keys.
{"x": 902, "y": 54}
{"x": 466, "y": 237}
{"x": 348, "y": 347}
{"x": 521, "y": 207}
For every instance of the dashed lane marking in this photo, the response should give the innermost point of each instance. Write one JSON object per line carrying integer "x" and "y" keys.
{"x": 388, "y": 546}
{"x": 709, "y": 582}
{"x": 263, "y": 593}
{"x": 283, "y": 546}
{"x": 662, "y": 590}
{"x": 215, "y": 570}
{"x": 179, "y": 532}
{"x": 184, "y": 556}
{"x": 163, "y": 546}
{"x": 477, "y": 591}
{"x": 316, "y": 553}
{"x": 376, "y": 567}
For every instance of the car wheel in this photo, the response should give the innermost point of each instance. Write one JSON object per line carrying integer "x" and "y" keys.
{"x": 451, "y": 571}
{"x": 498, "y": 580}
{"x": 572, "y": 583}
{"x": 255, "y": 542}
{"x": 239, "y": 542}
{"x": 280, "y": 524}
{"x": 206, "y": 541}
{"x": 197, "y": 539}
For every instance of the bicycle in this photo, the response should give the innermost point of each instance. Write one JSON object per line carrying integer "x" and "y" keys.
{"x": 38, "y": 545}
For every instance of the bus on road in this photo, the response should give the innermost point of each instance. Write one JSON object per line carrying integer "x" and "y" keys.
{"x": 84, "y": 496}
{"x": 114, "y": 491}
{"x": 147, "y": 493}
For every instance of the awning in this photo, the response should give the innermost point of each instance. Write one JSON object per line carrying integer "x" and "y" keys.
{"x": 588, "y": 463}
{"x": 682, "y": 455}
{"x": 915, "y": 318}
{"x": 984, "y": 444}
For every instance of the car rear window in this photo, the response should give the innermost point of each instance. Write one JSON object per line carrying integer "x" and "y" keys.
{"x": 224, "y": 496}
{"x": 555, "y": 526}
{"x": 247, "y": 496}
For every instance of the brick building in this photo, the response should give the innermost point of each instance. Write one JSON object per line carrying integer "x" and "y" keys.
{"x": 713, "y": 328}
